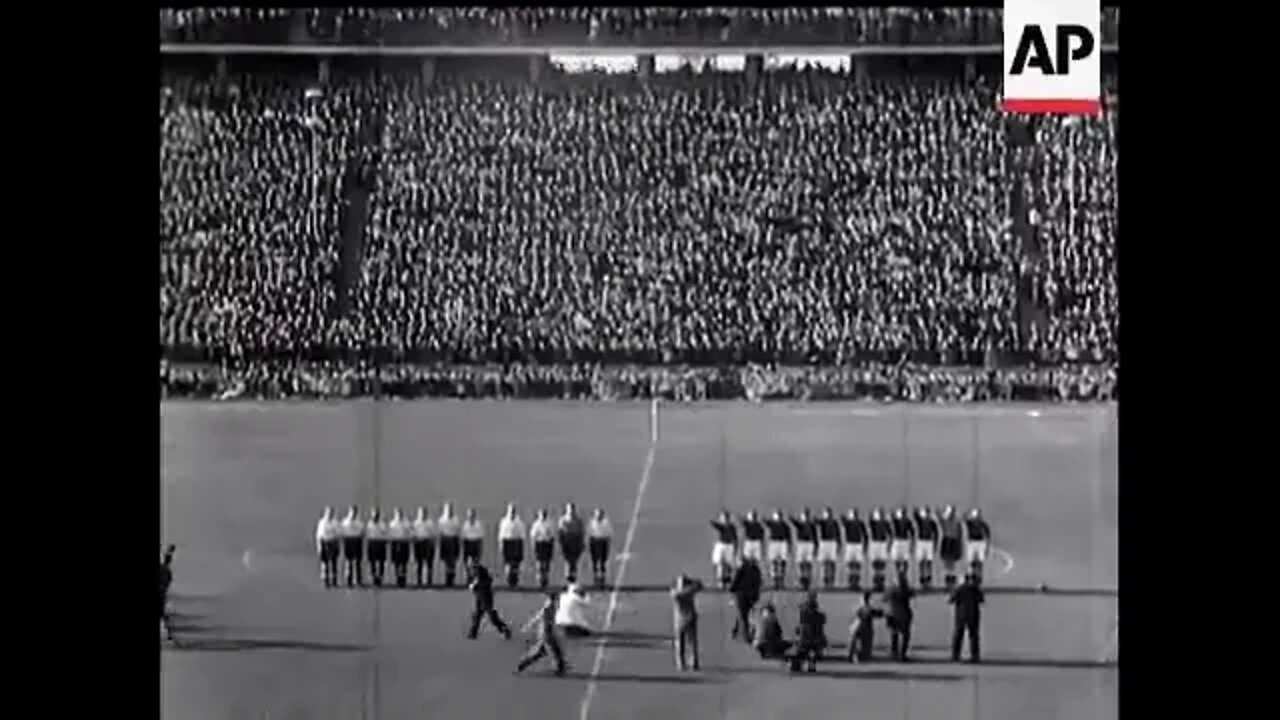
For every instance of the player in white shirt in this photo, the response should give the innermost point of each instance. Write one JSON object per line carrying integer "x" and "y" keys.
{"x": 424, "y": 545}
{"x": 329, "y": 547}
{"x": 399, "y": 533}
{"x": 599, "y": 533}
{"x": 511, "y": 532}
{"x": 572, "y": 612}
{"x": 543, "y": 537}
{"x": 472, "y": 541}
{"x": 352, "y": 528}
{"x": 447, "y": 528}
{"x": 375, "y": 533}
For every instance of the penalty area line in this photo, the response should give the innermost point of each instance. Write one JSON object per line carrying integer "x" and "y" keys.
{"x": 584, "y": 712}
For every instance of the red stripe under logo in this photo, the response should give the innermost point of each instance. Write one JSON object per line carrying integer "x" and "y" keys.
{"x": 1063, "y": 107}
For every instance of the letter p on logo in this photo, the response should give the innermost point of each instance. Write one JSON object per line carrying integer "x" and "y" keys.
{"x": 1053, "y": 56}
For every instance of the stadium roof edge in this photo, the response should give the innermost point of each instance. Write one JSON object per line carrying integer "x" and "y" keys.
{"x": 435, "y": 50}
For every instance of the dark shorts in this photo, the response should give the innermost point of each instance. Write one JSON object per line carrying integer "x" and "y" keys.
{"x": 543, "y": 551}
{"x": 512, "y": 551}
{"x": 400, "y": 551}
{"x": 377, "y": 550}
{"x": 572, "y": 549}
{"x": 471, "y": 549}
{"x": 449, "y": 548}
{"x": 950, "y": 550}
{"x": 424, "y": 550}
{"x": 353, "y": 548}
{"x": 329, "y": 550}
{"x": 599, "y": 549}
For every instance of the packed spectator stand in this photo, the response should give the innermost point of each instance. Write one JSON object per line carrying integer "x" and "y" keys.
{"x": 690, "y": 235}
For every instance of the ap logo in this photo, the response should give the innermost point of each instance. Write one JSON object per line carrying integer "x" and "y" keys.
{"x": 1053, "y": 56}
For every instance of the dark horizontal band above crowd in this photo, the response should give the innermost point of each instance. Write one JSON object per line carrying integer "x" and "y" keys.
{"x": 601, "y": 26}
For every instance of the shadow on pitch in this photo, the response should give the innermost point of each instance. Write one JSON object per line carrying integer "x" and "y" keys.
{"x": 1045, "y": 663}
{"x": 225, "y": 644}
{"x": 840, "y": 669}
{"x": 682, "y": 679}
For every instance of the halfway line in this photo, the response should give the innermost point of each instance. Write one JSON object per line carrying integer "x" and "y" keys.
{"x": 585, "y": 711}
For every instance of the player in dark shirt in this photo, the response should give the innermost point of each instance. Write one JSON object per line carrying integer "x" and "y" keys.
{"x": 879, "y": 534}
{"x": 904, "y": 535}
{"x": 753, "y": 537}
{"x": 926, "y": 540}
{"x": 828, "y": 546}
{"x": 855, "y": 547}
{"x": 482, "y": 593}
{"x": 977, "y": 536}
{"x": 779, "y": 544}
{"x": 951, "y": 546}
{"x": 725, "y": 550}
{"x": 805, "y": 545}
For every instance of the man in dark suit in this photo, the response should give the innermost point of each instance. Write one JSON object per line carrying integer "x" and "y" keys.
{"x": 482, "y": 592}
{"x": 899, "y": 616}
{"x": 745, "y": 587}
{"x": 812, "y": 635}
{"x": 967, "y": 599}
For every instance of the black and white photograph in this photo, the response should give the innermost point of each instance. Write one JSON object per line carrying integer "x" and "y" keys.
{"x": 619, "y": 363}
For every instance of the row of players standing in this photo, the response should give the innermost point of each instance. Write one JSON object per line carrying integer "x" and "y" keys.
{"x": 903, "y": 537}
{"x": 354, "y": 542}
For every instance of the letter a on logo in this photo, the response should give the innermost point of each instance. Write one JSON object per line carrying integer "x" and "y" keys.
{"x": 1053, "y": 56}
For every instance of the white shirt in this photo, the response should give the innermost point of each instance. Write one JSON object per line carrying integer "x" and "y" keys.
{"x": 472, "y": 530}
{"x": 600, "y": 529}
{"x": 573, "y": 610}
{"x": 447, "y": 526}
{"x": 327, "y": 529}
{"x": 398, "y": 529}
{"x": 511, "y": 528}
{"x": 376, "y": 530}
{"x": 424, "y": 529}
{"x": 352, "y": 527}
{"x": 543, "y": 531}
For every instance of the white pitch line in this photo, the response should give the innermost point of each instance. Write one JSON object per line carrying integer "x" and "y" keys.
{"x": 585, "y": 711}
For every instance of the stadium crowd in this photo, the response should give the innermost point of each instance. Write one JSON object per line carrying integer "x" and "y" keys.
{"x": 741, "y": 26}
{"x": 593, "y": 235}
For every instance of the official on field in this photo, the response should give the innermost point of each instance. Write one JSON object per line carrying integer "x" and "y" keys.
{"x": 472, "y": 539}
{"x": 353, "y": 547}
{"x": 599, "y": 535}
{"x": 166, "y": 581}
{"x": 745, "y": 587}
{"x": 482, "y": 592}
{"x": 447, "y": 530}
{"x": 424, "y": 546}
{"x": 400, "y": 537}
{"x": 543, "y": 537}
{"x": 684, "y": 596}
{"x": 967, "y": 600}
{"x": 900, "y": 616}
{"x": 511, "y": 532}
{"x": 375, "y": 534}
{"x": 811, "y": 640}
{"x": 328, "y": 547}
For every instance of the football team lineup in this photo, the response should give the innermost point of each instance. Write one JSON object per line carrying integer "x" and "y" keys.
{"x": 242, "y": 482}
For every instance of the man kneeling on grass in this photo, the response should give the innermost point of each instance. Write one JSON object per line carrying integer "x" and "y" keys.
{"x": 768, "y": 635}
